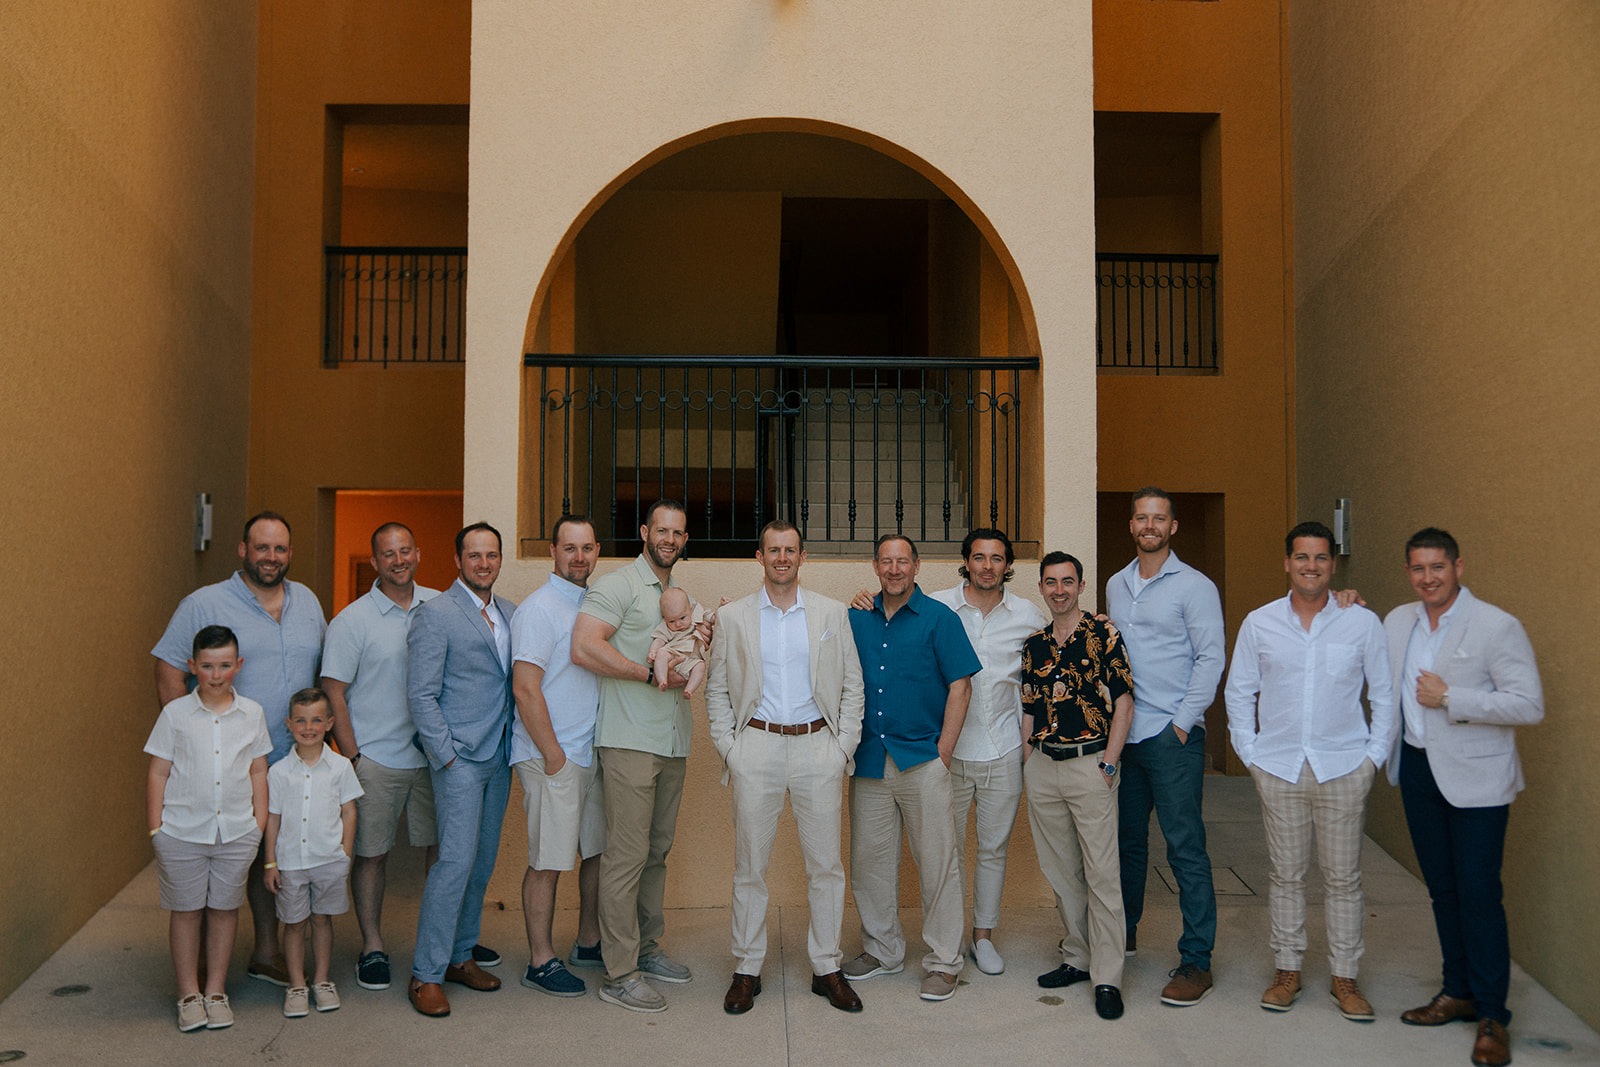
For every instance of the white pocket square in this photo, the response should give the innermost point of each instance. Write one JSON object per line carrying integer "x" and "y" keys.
{"x": 827, "y": 635}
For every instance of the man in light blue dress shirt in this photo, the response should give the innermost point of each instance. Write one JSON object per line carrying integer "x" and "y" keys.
{"x": 1170, "y": 617}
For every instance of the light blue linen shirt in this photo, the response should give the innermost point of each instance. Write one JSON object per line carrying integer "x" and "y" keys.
{"x": 1173, "y": 632}
{"x": 365, "y": 648}
{"x": 541, "y": 634}
{"x": 279, "y": 659}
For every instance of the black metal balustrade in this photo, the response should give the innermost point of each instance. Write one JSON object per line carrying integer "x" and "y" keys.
{"x": 845, "y": 450}
{"x": 394, "y": 305}
{"x": 1156, "y": 314}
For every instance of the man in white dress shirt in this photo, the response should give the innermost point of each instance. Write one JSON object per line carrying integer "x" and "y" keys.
{"x": 784, "y": 705}
{"x": 987, "y": 765}
{"x": 1295, "y": 719}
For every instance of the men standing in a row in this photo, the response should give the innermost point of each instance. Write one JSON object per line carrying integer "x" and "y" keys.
{"x": 783, "y": 699}
{"x": 986, "y": 766}
{"x": 1466, "y": 676}
{"x": 364, "y": 675}
{"x": 1170, "y": 618}
{"x": 552, "y": 751}
{"x": 1295, "y": 719}
{"x": 1077, "y": 693}
{"x": 917, "y": 666}
{"x": 279, "y": 625}
{"x": 643, "y": 740}
{"x": 458, "y": 688}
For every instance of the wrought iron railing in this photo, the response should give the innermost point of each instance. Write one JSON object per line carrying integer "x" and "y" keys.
{"x": 1156, "y": 314}
{"x": 394, "y": 305}
{"x": 845, "y": 450}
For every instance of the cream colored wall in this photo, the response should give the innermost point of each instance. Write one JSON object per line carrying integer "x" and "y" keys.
{"x": 125, "y": 156}
{"x": 1446, "y": 221}
{"x": 914, "y": 80}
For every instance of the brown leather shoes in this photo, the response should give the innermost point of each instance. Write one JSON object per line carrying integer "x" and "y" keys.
{"x": 1493, "y": 1047}
{"x": 429, "y": 999}
{"x": 742, "y": 994}
{"x": 837, "y": 990}
{"x": 472, "y": 976}
{"x": 1440, "y": 1010}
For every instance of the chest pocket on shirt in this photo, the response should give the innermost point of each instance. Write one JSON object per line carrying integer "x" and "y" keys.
{"x": 1341, "y": 661}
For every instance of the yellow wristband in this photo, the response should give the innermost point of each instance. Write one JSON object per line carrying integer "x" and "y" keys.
{"x": 156, "y": 831}
{"x": 268, "y": 866}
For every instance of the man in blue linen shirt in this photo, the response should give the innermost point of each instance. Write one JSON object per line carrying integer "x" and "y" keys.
{"x": 1295, "y": 719}
{"x": 1170, "y": 618}
{"x": 917, "y": 665}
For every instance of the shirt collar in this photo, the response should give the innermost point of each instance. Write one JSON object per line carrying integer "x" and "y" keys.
{"x": 766, "y": 601}
{"x": 476, "y": 599}
{"x": 294, "y": 754}
{"x": 383, "y": 601}
{"x": 648, "y": 573}
{"x": 199, "y": 705}
{"x": 917, "y": 595}
{"x": 571, "y": 590}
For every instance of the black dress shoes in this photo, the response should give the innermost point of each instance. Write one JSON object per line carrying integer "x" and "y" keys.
{"x": 1063, "y": 976}
{"x": 1108, "y": 1001}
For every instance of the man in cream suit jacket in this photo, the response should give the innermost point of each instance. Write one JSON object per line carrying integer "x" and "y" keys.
{"x": 784, "y": 700}
{"x": 1465, "y": 676}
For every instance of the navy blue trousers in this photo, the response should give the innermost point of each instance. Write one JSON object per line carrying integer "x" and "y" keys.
{"x": 1460, "y": 852}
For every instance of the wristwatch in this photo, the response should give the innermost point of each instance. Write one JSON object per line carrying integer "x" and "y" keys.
{"x": 1108, "y": 769}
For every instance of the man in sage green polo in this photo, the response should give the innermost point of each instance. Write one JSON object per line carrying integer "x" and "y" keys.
{"x": 642, "y": 737}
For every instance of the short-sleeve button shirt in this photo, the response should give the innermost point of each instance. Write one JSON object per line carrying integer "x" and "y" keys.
{"x": 994, "y": 716}
{"x": 208, "y": 798}
{"x": 907, "y": 665}
{"x": 1070, "y": 689}
{"x": 307, "y": 799}
{"x": 541, "y": 634}
{"x": 636, "y": 715}
{"x": 366, "y": 649}
{"x": 280, "y": 659}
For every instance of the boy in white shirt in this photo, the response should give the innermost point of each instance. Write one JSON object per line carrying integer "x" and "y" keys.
{"x": 314, "y": 790}
{"x": 206, "y": 800}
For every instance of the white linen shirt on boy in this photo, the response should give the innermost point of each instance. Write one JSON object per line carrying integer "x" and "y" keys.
{"x": 208, "y": 799}
{"x": 541, "y": 634}
{"x": 994, "y": 716}
{"x": 1309, "y": 688}
{"x": 306, "y": 799}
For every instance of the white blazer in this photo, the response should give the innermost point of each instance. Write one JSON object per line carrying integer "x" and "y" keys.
{"x": 1487, "y": 662}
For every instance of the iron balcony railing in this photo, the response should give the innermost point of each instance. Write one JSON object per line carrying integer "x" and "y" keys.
{"x": 1156, "y": 314}
{"x": 394, "y": 305}
{"x": 845, "y": 450}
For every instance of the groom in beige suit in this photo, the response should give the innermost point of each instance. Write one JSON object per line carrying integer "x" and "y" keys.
{"x": 784, "y": 700}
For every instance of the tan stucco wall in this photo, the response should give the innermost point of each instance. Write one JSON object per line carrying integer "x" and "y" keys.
{"x": 568, "y": 100}
{"x": 1231, "y": 433}
{"x": 351, "y": 427}
{"x": 125, "y": 156}
{"x": 1446, "y": 326}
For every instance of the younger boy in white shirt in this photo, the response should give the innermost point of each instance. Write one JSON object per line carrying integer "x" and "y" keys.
{"x": 206, "y": 801}
{"x": 313, "y": 790}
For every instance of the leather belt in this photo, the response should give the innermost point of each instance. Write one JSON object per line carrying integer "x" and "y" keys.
{"x": 789, "y": 731}
{"x": 1057, "y": 751}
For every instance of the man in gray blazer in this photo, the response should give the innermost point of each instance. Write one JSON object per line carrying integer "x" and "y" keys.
{"x": 1465, "y": 676}
{"x": 784, "y": 700}
{"x": 458, "y": 687}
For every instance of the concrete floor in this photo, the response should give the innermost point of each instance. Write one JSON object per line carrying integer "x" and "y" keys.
{"x": 106, "y": 995}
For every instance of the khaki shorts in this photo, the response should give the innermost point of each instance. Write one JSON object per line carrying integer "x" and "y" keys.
{"x": 566, "y": 813}
{"x": 314, "y": 889}
{"x": 194, "y": 876}
{"x": 388, "y": 793}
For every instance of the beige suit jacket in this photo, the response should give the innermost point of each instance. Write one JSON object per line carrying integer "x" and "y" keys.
{"x": 733, "y": 680}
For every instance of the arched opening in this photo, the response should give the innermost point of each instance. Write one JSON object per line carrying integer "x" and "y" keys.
{"x": 781, "y": 320}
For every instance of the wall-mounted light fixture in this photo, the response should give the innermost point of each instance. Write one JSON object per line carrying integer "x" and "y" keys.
{"x": 202, "y": 521}
{"x": 1341, "y": 526}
